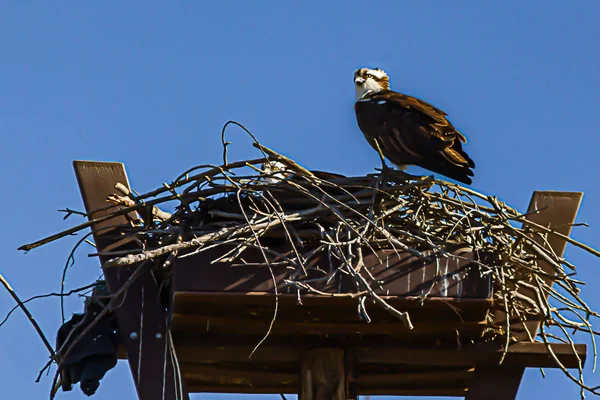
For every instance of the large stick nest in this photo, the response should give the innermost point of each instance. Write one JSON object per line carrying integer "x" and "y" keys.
{"x": 292, "y": 216}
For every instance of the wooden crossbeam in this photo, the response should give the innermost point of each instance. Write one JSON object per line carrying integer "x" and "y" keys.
{"x": 248, "y": 326}
{"x": 205, "y": 350}
{"x": 555, "y": 210}
{"x": 142, "y": 319}
{"x": 215, "y": 366}
{"x": 523, "y": 354}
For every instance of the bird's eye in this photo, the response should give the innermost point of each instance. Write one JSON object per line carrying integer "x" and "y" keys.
{"x": 369, "y": 76}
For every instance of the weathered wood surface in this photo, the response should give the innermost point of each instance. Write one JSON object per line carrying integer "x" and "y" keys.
{"x": 556, "y": 210}
{"x": 323, "y": 375}
{"x": 384, "y": 351}
{"x": 395, "y": 273}
{"x": 142, "y": 319}
{"x": 495, "y": 383}
{"x": 251, "y": 313}
{"x": 381, "y": 368}
{"x": 457, "y": 298}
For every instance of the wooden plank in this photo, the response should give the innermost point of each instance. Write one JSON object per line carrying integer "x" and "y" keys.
{"x": 523, "y": 354}
{"x": 433, "y": 378}
{"x": 350, "y": 366}
{"x": 419, "y": 392}
{"x": 557, "y": 210}
{"x": 327, "y": 309}
{"x": 199, "y": 303}
{"x": 216, "y": 375}
{"x": 200, "y": 349}
{"x": 495, "y": 383}
{"x": 323, "y": 375}
{"x": 559, "y": 214}
{"x": 247, "y": 326}
{"x": 202, "y": 378}
{"x": 142, "y": 319}
{"x": 398, "y": 274}
{"x": 96, "y": 181}
{"x": 251, "y": 313}
{"x": 264, "y": 298}
{"x": 445, "y": 392}
{"x": 227, "y": 379}
{"x": 194, "y": 387}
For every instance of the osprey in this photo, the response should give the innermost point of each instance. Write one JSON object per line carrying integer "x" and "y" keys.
{"x": 408, "y": 130}
{"x": 275, "y": 171}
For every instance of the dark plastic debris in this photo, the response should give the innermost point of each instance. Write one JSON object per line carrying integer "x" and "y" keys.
{"x": 96, "y": 352}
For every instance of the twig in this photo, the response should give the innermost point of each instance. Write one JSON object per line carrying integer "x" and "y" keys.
{"x": 43, "y": 296}
{"x": 28, "y": 314}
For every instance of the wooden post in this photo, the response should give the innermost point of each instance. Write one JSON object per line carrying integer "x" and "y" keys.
{"x": 325, "y": 375}
{"x": 495, "y": 383}
{"x": 142, "y": 319}
{"x": 557, "y": 210}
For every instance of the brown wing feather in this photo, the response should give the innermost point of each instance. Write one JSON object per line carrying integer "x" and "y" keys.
{"x": 411, "y": 131}
{"x": 442, "y": 128}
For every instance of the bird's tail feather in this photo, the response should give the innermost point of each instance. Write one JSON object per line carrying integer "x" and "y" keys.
{"x": 460, "y": 174}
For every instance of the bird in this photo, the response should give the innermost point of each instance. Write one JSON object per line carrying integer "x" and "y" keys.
{"x": 407, "y": 130}
{"x": 274, "y": 172}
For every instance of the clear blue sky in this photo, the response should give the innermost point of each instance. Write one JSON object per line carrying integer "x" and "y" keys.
{"x": 151, "y": 85}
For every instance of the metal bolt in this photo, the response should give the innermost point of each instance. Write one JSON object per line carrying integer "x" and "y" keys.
{"x": 133, "y": 335}
{"x": 158, "y": 335}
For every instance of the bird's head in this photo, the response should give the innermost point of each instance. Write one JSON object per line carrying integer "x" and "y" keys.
{"x": 367, "y": 80}
{"x": 275, "y": 171}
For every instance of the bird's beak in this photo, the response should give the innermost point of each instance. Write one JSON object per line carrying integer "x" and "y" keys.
{"x": 359, "y": 81}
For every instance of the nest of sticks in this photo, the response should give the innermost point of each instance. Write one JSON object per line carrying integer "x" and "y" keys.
{"x": 292, "y": 215}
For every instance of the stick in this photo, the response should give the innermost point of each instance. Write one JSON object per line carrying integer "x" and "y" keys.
{"x": 28, "y": 314}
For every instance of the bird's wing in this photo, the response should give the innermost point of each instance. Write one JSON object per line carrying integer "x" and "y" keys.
{"x": 411, "y": 131}
{"x": 440, "y": 127}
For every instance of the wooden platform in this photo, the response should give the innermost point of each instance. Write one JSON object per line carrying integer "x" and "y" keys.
{"x": 381, "y": 366}
{"x": 441, "y": 297}
{"x": 214, "y": 346}
{"x": 200, "y": 339}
